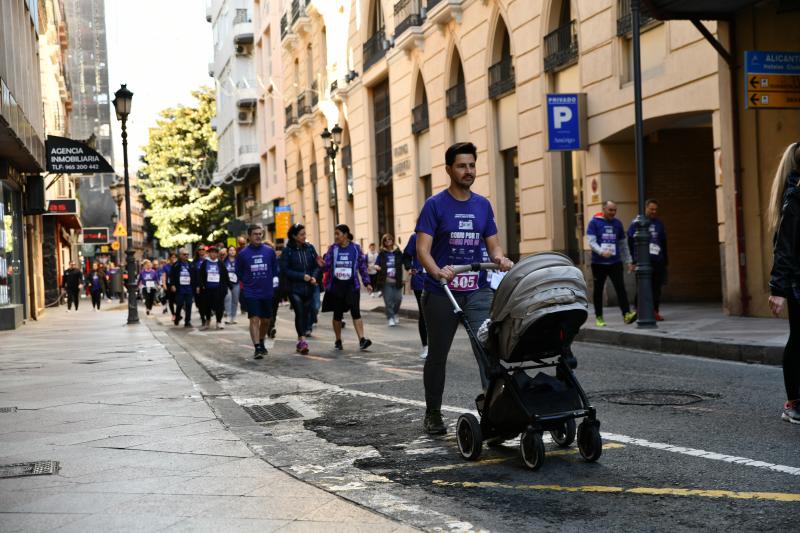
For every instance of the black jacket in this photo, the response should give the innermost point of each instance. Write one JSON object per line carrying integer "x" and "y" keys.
{"x": 102, "y": 278}
{"x": 202, "y": 274}
{"x": 72, "y": 279}
{"x": 175, "y": 276}
{"x": 295, "y": 263}
{"x": 786, "y": 248}
{"x": 398, "y": 266}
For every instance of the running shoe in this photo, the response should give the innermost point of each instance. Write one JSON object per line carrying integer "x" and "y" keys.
{"x": 659, "y": 318}
{"x": 257, "y": 353}
{"x": 424, "y": 353}
{"x": 433, "y": 423}
{"x": 204, "y": 326}
{"x": 176, "y": 321}
{"x": 391, "y": 322}
{"x": 338, "y": 346}
{"x": 302, "y": 347}
{"x": 630, "y": 317}
{"x": 791, "y": 412}
{"x": 364, "y": 343}
{"x": 272, "y": 333}
{"x": 599, "y": 322}
{"x": 164, "y": 311}
{"x": 220, "y": 325}
{"x": 188, "y": 325}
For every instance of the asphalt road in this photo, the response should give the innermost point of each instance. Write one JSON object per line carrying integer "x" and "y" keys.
{"x": 725, "y": 461}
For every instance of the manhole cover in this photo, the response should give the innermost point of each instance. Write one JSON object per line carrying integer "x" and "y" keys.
{"x": 8, "y": 409}
{"x": 652, "y": 397}
{"x": 37, "y": 468}
{"x": 271, "y": 413}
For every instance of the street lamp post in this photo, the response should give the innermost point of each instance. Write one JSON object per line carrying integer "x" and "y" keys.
{"x": 332, "y": 140}
{"x": 644, "y": 269}
{"x": 122, "y": 105}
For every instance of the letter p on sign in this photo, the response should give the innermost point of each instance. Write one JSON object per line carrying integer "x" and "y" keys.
{"x": 561, "y": 115}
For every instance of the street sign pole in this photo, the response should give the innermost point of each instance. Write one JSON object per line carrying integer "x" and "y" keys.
{"x": 644, "y": 269}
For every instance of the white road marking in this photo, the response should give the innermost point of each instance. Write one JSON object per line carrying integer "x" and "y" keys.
{"x": 693, "y": 452}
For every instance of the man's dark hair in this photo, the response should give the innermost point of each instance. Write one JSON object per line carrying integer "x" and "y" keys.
{"x": 650, "y": 201}
{"x": 459, "y": 148}
{"x": 251, "y": 228}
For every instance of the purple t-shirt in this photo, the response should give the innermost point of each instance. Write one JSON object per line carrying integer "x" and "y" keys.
{"x": 459, "y": 230}
{"x": 150, "y": 276}
{"x": 256, "y": 266}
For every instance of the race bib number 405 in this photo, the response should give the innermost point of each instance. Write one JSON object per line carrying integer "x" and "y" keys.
{"x": 467, "y": 281}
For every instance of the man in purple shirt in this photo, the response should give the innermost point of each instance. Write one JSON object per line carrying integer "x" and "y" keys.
{"x": 256, "y": 266}
{"x": 452, "y": 229}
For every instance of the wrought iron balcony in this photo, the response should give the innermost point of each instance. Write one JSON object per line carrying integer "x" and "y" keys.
{"x": 406, "y": 14}
{"x": 431, "y": 3}
{"x": 304, "y": 104}
{"x": 456, "y": 98}
{"x": 374, "y": 48}
{"x": 291, "y": 120}
{"x": 314, "y": 94}
{"x": 419, "y": 118}
{"x": 334, "y": 86}
{"x": 625, "y": 18}
{"x": 501, "y": 78}
{"x": 284, "y": 26}
{"x": 561, "y": 47}
{"x": 298, "y": 8}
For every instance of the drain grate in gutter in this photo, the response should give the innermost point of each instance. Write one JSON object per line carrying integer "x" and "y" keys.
{"x": 271, "y": 413}
{"x": 8, "y": 409}
{"x": 36, "y": 468}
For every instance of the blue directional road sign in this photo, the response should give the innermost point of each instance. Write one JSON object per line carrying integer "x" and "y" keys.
{"x": 566, "y": 122}
{"x": 772, "y": 80}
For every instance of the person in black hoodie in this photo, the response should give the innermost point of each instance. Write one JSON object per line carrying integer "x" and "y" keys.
{"x": 71, "y": 282}
{"x": 390, "y": 276}
{"x": 212, "y": 283}
{"x": 182, "y": 282}
{"x": 96, "y": 281}
{"x": 299, "y": 267}
{"x": 784, "y": 284}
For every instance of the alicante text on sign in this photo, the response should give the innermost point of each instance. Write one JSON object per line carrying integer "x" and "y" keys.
{"x": 772, "y": 80}
{"x": 66, "y": 156}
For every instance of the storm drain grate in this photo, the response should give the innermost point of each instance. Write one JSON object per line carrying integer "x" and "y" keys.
{"x": 272, "y": 412}
{"x": 8, "y": 409}
{"x": 652, "y": 397}
{"x": 37, "y": 468}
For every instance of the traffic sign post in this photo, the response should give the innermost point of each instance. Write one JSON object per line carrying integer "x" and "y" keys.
{"x": 120, "y": 230}
{"x": 772, "y": 80}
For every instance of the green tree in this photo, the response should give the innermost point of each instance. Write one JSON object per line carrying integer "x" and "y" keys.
{"x": 175, "y": 179}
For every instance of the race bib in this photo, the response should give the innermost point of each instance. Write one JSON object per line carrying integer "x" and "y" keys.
{"x": 391, "y": 272}
{"x": 609, "y": 247}
{"x": 467, "y": 281}
{"x": 343, "y": 273}
{"x": 654, "y": 249}
{"x": 233, "y": 277}
{"x": 213, "y": 277}
{"x": 276, "y": 282}
{"x": 185, "y": 279}
{"x": 150, "y": 285}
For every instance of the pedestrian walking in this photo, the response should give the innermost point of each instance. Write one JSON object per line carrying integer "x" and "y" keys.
{"x": 98, "y": 285}
{"x": 212, "y": 283}
{"x": 280, "y": 292}
{"x": 148, "y": 284}
{"x": 232, "y": 298}
{"x": 372, "y": 259}
{"x": 451, "y": 230}
{"x": 113, "y": 281}
{"x": 164, "y": 275}
{"x": 658, "y": 252}
{"x": 609, "y": 246}
{"x": 390, "y": 277}
{"x": 344, "y": 262}
{"x": 784, "y": 284}
{"x": 71, "y": 282}
{"x": 203, "y": 307}
{"x": 298, "y": 265}
{"x": 182, "y": 282}
{"x": 256, "y": 266}
{"x": 417, "y": 272}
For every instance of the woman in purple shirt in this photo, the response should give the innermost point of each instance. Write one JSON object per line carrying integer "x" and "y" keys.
{"x": 148, "y": 284}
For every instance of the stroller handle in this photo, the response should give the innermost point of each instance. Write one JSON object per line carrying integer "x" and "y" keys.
{"x": 474, "y": 267}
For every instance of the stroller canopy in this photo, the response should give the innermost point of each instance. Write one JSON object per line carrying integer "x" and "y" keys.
{"x": 539, "y": 285}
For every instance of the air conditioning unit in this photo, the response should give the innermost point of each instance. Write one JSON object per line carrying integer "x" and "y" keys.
{"x": 246, "y": 117}
{"x": 244, "y": 49}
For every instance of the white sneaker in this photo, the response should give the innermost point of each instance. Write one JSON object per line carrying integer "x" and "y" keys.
{"x": 424, "y": 353}
{"x": 391, "y": 322}
{"x": 220, "y": 326}
{"x": 397, "y": 321}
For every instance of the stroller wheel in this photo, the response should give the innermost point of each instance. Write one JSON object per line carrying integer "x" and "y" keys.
{"x": 468, "y": 435}
{"x": 590, "y": 444}
{"x": 565, "y": 435}
{"x": 531, "y": 447}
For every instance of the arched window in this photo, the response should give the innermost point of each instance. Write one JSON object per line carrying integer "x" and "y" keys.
{"x": 502, "y": 79}
{"x": 419, "y": 113}
{"x": 375, "y": 47}
{"x": 456, "y": 96}
{"x": 561, "y": 44}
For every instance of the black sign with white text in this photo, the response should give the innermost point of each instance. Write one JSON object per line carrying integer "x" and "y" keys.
{"x": 65, "y": 156}
{"x": 95, "y": 235}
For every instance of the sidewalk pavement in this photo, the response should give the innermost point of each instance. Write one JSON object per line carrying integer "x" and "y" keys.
{"x": 691, "y": 329}
{"x": 137, "y": 441}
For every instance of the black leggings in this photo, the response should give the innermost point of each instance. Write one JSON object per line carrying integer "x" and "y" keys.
{"x": 791, "y": 354}
{"x": 149, "y": 298}
{"x": 423, "y": 331}
{"x": 73, "y": 297}
{"x": 215, "y": 303}
{"x": 96, "y": 297}
{"x": 302, "y": 306}
{"x": 600, "y": 273}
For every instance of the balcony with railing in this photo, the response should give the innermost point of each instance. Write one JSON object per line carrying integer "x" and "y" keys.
{"x": 625, "y": 17}
{"x": 456, "y": 99}
{"x": 443, "y": 11}
{"x": 289, "y": 38}
{"x": 561, "y": 47}
{"x": 246, "y": 94}
{"x": 291, "y": 119}
{"x": 242, "y": 27}
{"x": 301, "y": 22}
{"x": 303, "y": 105}
{"x": 374, "y": 49}
{"x": 419, "y": 118}
{"x": 407, "y": 14}
{"x": 284, "y": 26}
{"x": 314, "y": 94}
{"x": 502, "y": 79}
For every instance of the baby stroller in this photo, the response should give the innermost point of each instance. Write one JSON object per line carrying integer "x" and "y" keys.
{"x": 538, "y": 310}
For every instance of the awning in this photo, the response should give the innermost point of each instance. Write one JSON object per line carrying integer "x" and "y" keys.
{"x": 695, "y": 9}
{"x": 66, "y": 220}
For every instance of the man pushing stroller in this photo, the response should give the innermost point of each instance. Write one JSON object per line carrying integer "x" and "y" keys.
{"x": 453, "y": 228}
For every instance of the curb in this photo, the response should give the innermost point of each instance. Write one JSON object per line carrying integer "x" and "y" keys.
{"x": 713, "y": 349}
